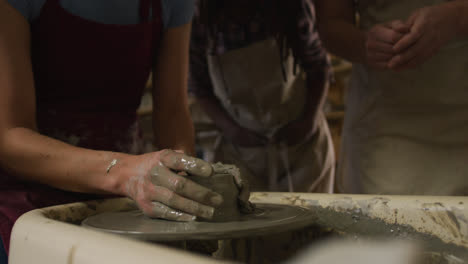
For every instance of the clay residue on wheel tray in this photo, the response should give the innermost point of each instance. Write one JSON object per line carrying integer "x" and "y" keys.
{"x": 354, "y": 222}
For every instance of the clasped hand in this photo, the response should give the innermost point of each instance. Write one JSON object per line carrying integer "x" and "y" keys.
{"x": 400, "y": 45}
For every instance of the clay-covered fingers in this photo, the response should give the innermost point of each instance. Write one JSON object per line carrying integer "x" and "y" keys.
{"x": 181, "y": 204}
{"x": 159, "y": 210}
{"x": 183, "y": 186}
{"x": 180, "y": 162}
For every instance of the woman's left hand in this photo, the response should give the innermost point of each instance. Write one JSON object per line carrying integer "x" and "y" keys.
{"x": 430, "y": 29}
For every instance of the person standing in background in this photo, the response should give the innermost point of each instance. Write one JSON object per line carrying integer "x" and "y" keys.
{"x": 405, "y": 130}
{"x": 71, "y": 79}
{"x": 258, "y": 69}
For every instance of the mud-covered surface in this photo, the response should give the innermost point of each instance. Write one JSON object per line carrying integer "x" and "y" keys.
{"x": 284, "y": 246}
{"x": 440, "y": 225}
{"x": 353, "y": 223}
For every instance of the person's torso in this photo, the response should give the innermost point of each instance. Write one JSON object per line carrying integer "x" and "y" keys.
{"x": 437, "y": 89}
{"x": 405, "y": 132}
{"x": 253, "y": 74}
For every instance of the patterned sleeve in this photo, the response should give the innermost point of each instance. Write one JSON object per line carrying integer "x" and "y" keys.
{"x": 312, "y": 55}
{"x": 199, "y": 82}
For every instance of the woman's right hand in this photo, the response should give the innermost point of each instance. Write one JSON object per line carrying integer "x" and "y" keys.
{"x": 162, "y": 193}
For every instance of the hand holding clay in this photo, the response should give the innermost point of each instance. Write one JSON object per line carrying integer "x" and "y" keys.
{"x": 379, "y": 43}
{"x": 431, "y": 28}
{"x": 161, "y": 193}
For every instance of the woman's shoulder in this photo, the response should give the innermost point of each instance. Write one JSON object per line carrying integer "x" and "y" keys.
{"x": 30, "y": 9}
{"x": 178, "y": 12}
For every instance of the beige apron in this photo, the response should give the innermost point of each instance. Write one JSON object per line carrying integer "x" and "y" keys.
{"x": 407, "y": 132}
{"x": 250, "y": 84}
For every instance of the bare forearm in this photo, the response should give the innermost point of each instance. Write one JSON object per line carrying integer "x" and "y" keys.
{"x": 38, "y": 158}
{"x": 23, "y": 151}
{"x": 174, "y": 130}
{"x": 172, "y": 123}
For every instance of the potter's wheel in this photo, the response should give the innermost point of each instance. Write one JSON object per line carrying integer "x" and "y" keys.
{"x": 267, "y": 219}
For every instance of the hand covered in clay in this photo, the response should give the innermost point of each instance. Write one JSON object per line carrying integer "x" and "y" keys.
{"x": 295, "y": 132}
{"x": 244, "y": 137}
{"x": 162, "y": 193}
{"x": 379, "y": 43}
{"x": 431, "y": 28}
